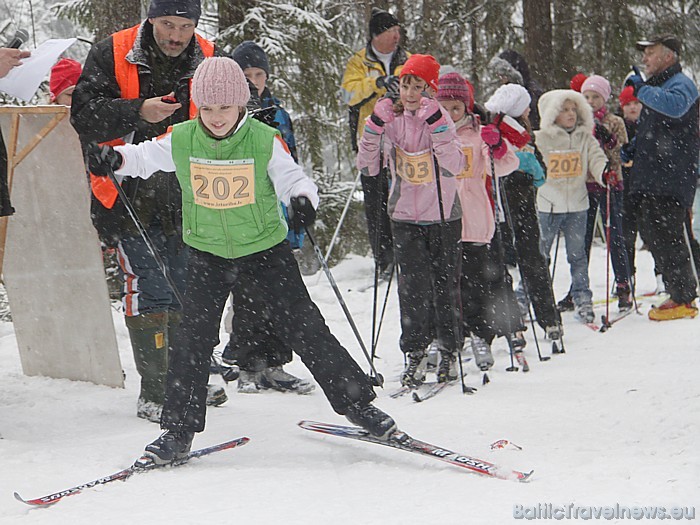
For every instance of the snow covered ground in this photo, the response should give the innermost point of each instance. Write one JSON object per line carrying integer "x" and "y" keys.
{"x": 616, "y": 420}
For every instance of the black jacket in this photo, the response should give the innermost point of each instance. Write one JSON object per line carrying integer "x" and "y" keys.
{"x": 99, "y": 114}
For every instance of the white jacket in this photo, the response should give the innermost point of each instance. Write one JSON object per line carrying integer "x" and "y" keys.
{"x": 564, "y": 191}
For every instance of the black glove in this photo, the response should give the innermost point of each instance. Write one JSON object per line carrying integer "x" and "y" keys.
{"x": 606, "y": 138}
{"x": 103, "y": 159}
{"x": 628, "y": 150}
{"x": 389, "y": 82}
{"x": 302, "y": 213}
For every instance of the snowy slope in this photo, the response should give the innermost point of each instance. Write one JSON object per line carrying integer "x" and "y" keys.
{"x": 614, "y": 420}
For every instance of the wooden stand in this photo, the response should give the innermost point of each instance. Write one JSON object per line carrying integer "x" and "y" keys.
{"x": 50, "y": 256}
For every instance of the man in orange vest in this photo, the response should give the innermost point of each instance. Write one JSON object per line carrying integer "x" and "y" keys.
{"x": 135, "y": 84}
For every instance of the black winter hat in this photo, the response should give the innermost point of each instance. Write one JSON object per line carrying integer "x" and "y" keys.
{"x": 191, "y": 9}
{"x": 249, "y": 54}
{"x": 670, "y": 41}
{"x": 380, "y": 21}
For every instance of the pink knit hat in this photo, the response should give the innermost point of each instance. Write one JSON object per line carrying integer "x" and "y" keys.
{"x": 598, "y": 84}
{"x": 219, "y": 81}
{"x": 453, "y": 86}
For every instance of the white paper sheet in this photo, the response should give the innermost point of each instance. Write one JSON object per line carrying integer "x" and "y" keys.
{"x": 23, "y": 81}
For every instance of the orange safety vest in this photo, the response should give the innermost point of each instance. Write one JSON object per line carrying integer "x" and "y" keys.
{"x": 127, "y": 77}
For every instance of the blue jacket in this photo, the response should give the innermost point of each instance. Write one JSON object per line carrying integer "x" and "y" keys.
{"x": 668, "y": 144}
{"x": 283, "y": 121}
{"x": 284, "y": 125}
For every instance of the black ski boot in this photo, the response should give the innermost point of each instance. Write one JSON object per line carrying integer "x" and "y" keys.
{"x": 566, "y": 304}
{"x": 624, "y": 297}
{"x": 416, "y": 365}
{"x": 380, "y": 424}
{"x": 171, "y": 447}
{"x": 447, "y": 371}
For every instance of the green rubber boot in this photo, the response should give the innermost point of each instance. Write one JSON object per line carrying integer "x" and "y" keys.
{"x": 149, "y": 342}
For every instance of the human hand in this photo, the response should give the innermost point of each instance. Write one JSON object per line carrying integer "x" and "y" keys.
{"x": 627, "y": 151}
{"x": 611, "y": 178}
{"x": 302, "y": 213}
{"x": 389, "y": 82}
{"x": 384, "y": 110}
{"x": 10, "y": 58}
{"x": 156, "y": 109}
{"x": 383, "y": 113}
{"x": 430, "y": 110}
{"x": 103, "y": 159}
{"x": 635, "y": 80}
{"x": 491, "y": 135}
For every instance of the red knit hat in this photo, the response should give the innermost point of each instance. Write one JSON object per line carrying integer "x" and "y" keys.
{"x": 627, "y": 96}
{"x": 454, "y": 86}
{"x": 424, "y": 67}
{"x": 577, "y": 81}
{"x": 64, "y": 74}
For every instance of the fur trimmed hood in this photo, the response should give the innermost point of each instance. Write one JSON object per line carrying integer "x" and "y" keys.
{"x": 550, "y": 105}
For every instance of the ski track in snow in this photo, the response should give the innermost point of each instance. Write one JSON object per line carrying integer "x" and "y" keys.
{"x": 614, "y": 420}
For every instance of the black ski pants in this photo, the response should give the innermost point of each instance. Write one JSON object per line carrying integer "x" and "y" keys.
{"x": 376, "y": 194}
{"x": 523, "y": 221}
{"x": 661, "y": 223}
{"x": 429, "y": 259}
{"x": 274, "y": 276}
{"x": 489, "y": 306}
{"x": 254, "y": 343}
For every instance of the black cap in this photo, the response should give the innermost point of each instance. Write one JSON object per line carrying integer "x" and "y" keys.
{"x": 249, "y": 54}
{"x": 670, "y": 41}
{"x": 380, "y": 21}
{"x": 191, "y": 9}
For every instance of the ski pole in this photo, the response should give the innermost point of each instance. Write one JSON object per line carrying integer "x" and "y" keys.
{"x": 342, "y": 218}
{"x": 376, "y": 242}
{"x": 376, "y": 378}
{"x": 144, "y": 235}
{"x": 506, "y": 208}
{"x": 499, "y": 252}
{"x": 690, "y": 253}
{"x": 455, "y": 317}
{"x": 375, "y": 342}
{"x": 159, "y": 260}
{"x": 605, "y": 320}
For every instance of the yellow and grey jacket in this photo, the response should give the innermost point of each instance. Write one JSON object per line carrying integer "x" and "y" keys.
{"x": 359, "y": 87}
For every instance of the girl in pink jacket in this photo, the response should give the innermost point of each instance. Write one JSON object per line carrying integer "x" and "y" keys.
{"x": 418, "y": 138}
{"x": 486, "y": 289}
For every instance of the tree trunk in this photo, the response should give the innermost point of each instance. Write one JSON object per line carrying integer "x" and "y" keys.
{"x": 537, "y": 25}
{"x": 114, "y": 15}
{"x": 563, "y": 42}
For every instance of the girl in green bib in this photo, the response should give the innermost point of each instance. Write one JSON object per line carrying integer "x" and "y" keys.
{"x": 234, "y": 171}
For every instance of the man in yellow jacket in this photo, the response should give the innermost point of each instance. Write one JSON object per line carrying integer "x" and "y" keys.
{"x": 370, "y": 74}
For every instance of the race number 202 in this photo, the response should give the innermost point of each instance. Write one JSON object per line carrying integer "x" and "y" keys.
{"x": 222, "y": 184}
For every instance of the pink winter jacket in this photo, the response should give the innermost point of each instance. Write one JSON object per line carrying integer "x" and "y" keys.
{"x": 409, "y": 201}
{"x": 478, "y": 223}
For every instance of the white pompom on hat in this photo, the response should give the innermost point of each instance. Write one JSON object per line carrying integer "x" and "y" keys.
{"x": 510, "y": 99}
{"x": 219, "y": 81}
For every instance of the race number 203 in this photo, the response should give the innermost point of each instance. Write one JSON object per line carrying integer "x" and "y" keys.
{"x": 222, "y": 184}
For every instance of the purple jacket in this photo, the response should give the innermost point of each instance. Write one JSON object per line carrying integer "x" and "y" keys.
{"x": 413, "y": 196}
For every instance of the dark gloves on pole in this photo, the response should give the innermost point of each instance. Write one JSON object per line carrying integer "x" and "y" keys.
{"x": 302, "y": 213}
{"x": 103, "y": 159}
